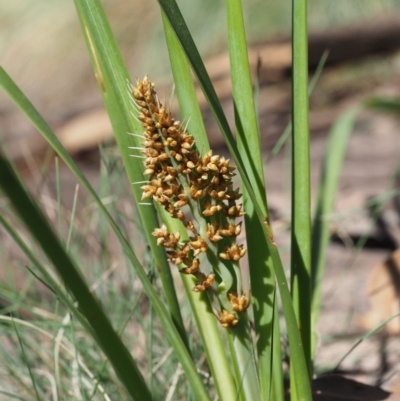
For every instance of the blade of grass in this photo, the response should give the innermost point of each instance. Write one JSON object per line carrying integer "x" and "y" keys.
{"x": 383, "y": 104}
{"x": 28, "y": 365}
{"x": 11, "y": 395}
{"x": 47, "y": 280}
{"x": 65, "y": 345}
{"x": 335, "y": 150}
{"x": 276, "y": 383}
{"x": 71, "y": 224}
{"x": 178, "y": 24}
{"x": 120, "y": 333}
{"x": 58, "y": 194}
{"x": 112, "y": 77}
{"x": 168, "y": 326}
{"x": 206, "y": 322}
{"x": 300, "y": 272}
{"x": 260, "y": 263}
{"x": 150, "y": 345}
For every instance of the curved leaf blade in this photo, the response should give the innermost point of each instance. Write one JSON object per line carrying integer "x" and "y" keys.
{"x": 113, "y": 81}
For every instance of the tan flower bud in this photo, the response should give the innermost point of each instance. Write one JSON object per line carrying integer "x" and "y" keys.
{"x": 137, "y": 95}
{"x": 187, "y": 145}
{"x": 191, "y": 269}
{"x": 172, "y": 130}
{"x": 149, "y": 143}
{"x": 205, "y": 282}
{"x": 163, "y": 157}
{"x": 235, "y": 211}
{"x": 235, "y": 252}
{"x": 168, "y": 177}
{"x": 227, "y": 319}
{"x": 213, "y": 233}
{"x": 180, "y": 203}
{"x": 238, "y": 229}
{"x": 179, "y": 215}
{"x": 160, "y": 232}
{"x": 239, "y": 304}
{"x": 212, "y": 166}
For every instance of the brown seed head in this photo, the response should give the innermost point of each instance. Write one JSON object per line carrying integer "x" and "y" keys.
{"x": 192, "y": 267}
{"x": 205, "y": 282}
{"x": 239, "y": 304}
{"x": 227, "y": 319}
{"x": 235, "y": 252}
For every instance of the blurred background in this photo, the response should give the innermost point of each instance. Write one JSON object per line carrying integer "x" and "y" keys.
{"x": 42, "y": 48}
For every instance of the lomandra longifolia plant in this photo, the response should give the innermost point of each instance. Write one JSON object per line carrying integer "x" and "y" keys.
{"x": 179, "y": 178}
{"x": 193, "y": 219}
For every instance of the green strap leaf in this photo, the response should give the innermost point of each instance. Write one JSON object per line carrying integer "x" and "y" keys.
{"x": 300, "y": 264}
{"x": 113, "y": 81}
{"x": 260, "y": 263}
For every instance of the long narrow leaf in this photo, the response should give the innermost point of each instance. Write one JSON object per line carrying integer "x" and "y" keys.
{"x": 300, "y": 272}
{"x": 113, "y": 81}
{"x": 248, "y": 142}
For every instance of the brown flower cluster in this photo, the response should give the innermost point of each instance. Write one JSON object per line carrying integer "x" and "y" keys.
{"x": 180, "y": 176}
